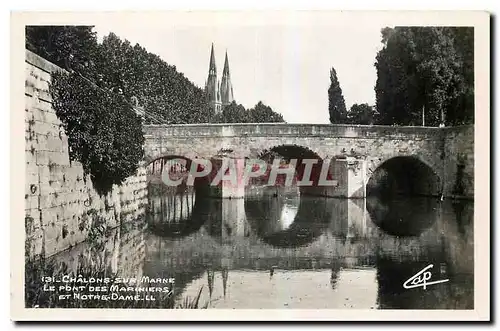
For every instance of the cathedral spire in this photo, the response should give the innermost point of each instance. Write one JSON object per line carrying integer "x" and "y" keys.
{"x": 225, "y": 72}
{"x": 212, "y": 70}
{"x": 212, "y": 87}
{"x": 226, "y": 88}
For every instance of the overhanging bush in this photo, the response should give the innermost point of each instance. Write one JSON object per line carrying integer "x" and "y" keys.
{"x": 104, "y": 132}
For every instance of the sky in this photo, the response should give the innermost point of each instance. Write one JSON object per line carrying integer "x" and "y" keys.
{"x": 285, "y": 63}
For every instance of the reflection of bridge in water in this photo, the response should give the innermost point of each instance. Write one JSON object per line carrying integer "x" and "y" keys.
{"x": 286, "y": 232}
{"x": 286, "y": 220}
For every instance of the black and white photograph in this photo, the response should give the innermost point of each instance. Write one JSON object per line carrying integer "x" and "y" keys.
{"x": 304, "y": 164}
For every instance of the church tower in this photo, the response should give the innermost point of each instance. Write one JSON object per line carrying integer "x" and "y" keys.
{"x": 212, "y": 85}
{"x": 226, "y": 88}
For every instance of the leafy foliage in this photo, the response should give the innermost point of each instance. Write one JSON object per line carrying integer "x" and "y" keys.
{"x": 117, "y": 66}
{"x": 264, "y": 114}
{"x": 71, "y": 45}
{"x": 232, "y": 113}
{"x": 165, "y": 93}
{"x": 426, "y": 69}
{"x": 235, "y": 113}
{"x": 336, "y": 102}
{"x": 104, "y": 133}
{"x": 361, "y": 114}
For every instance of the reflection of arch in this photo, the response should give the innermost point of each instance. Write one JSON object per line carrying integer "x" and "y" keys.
{"x": 311, "y": 221}
{"x": 404, "y": 175}
{"x": 404, "y": 216}
{"x": 176, "y": 212}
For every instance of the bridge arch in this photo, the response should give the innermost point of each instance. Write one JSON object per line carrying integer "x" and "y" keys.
{"x": 398, "y": 194}
{"x": 403, "y": 175}
{"x": 288, "y": 152}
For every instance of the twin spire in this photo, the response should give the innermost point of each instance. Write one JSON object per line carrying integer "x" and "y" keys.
{"x": 213, "y": 68}
{"x": 219, "y": 94}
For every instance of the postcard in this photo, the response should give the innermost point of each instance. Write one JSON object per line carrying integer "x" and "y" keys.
{"x": 250, "y": 165}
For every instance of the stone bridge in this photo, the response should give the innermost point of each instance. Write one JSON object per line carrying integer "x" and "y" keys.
{"x": 435, "y": 160}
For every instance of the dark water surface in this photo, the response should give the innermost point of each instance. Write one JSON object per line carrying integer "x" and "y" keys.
{"x": 291, "y": 251}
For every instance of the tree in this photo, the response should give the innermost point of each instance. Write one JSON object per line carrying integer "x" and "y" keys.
{"x": 463, "y": 104}
{"x": 122, "y": 69}
{"x": 264, "y": 114}
{"x": 233, "y": 113}
{"x": 66, "y": 46}
{"x": 336, "y": 102}
{"x": 425, "y": 72}
{"x": 164, "y": 92}
{"x": 361, "y": 114}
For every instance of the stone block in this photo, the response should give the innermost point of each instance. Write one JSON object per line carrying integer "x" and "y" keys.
{"x": 58, "y": 158}
{"x": 51, "y": 216}
{"x": 32, "y": 183}
{"x": 50, "y": 187}
{"x": 43, "y": 76}
{"x": 32, "y": 202}
{"x": 53, "y": 200}
{"x": 43, "y": 128}
{"x": 42, "y": 85}
{"x": 30, "y": 145}
{"x": 42, "y": 158}
{"x": 52, "y": 118}
{"x": 36, "y": 115}
{"x": 30, "y": 162}
{"x": 42, "y": 105}
{"x": 41, "y": 141}
{"x": 31, "y": 76}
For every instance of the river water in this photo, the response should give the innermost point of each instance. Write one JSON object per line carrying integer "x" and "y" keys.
{"x": 289, "y": 251}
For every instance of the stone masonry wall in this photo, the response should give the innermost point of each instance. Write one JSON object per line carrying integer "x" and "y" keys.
{"x": 61, "y": 203}
{"x": 459, "y": 161}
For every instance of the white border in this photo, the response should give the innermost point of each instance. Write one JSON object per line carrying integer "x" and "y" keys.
{"x": 482, "y": 208}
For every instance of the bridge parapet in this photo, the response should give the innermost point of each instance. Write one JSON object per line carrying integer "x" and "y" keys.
{"x": 285, "y": 129}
